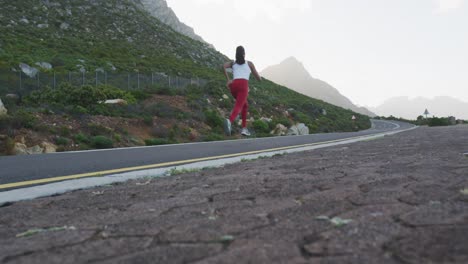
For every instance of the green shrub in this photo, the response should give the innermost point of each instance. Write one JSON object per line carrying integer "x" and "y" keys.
{"x": 117, "y": 138}
{"x": 23, "y": 118}
{"x": 61, "y": 141}
{"x": 82, "y": 138}
{"x": 213, "y": 137}
{"x": 101, "y": 142}
{"x": 64, "y": 131}
{"x": 260, "y": 126}
{"x": 148, "y": 120}
{"x": 156, "y": 141}
{"x": 213, "y": 119}
{"x": 9, "y": 146}
{"x": 140, "y": 95}
{"x": 436, "y": 121}
{"x": 84, "y": 96}
{"x": 96, "y": 129}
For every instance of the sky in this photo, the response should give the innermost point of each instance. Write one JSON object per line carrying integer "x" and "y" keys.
{"x": 370, "y": 50}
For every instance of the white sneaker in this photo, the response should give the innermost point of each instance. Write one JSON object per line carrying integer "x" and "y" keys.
{"x": 245, "y": 132}
{"x": 227, "y": 127}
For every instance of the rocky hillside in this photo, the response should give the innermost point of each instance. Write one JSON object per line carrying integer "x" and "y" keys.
{"x": 291, "y": 73}
{"x": 160, "y": 10}
{"x": 120, "y": 35}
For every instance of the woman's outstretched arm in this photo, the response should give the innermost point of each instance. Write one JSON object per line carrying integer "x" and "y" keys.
{"x": 227, "y": 65}
{"x": 254, "y": 71}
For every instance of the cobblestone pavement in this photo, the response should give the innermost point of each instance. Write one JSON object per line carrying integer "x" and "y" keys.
{"x": 398, "y": 199}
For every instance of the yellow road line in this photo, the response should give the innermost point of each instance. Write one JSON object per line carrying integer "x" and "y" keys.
{"x": 165, "y": 164}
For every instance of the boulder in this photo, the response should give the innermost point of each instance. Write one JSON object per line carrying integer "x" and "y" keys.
{"x": 298, "y": 130}
{"x": 48, "y": 147}
{"x": 280, "y": 130}
{"x": 44, "y": 65}
{"x": 20, "y": 149}
{"x": 28, "y": 70}
{"x": 3, "y": 110}
{"x": 12, "y": 96}
{"x": 266, "y": 119}
{"x": 20, "y": 139}
{"x": 116, "y": 101}
{"x": 34, "y": 150}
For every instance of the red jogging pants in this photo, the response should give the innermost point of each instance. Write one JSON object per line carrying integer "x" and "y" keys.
{"x": 240, "y": 91}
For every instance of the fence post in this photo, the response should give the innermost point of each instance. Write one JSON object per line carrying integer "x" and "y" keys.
{"x": 21, "y": 81}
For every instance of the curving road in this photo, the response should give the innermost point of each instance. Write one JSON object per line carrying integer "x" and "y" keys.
{"x": 20, "y": 171}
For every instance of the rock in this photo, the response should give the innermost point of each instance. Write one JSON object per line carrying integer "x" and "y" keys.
{"x": 20, "y": 149}
{"x": 43, "y": 25}
{"x": 28, "y": 70}
{"x": 116, "y": 101}
{"x": 3, "y": 110}
{"x": 225, "y": 96}
{"x": 44, "y": 65}
{"x": 20, "y": 139}
{"x": 280, "y": 130}
{"x": 48, "y": 147}
{"x": 34, "y": 150}
{"x": 266, "y": 119}
{"x": 64, "y": 26}
{"x": 12, "y": 96}
{"x": 298, "y": 130}
{"x": 3, "y": 137}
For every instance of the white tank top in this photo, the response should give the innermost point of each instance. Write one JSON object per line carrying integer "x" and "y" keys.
{"x": 241, "y": 71}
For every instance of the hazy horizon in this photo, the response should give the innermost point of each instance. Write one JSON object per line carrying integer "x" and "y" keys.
{"x": 370, "y": 51}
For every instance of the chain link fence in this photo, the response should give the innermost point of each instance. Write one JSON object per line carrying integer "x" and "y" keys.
{"x": 20, "y": 83}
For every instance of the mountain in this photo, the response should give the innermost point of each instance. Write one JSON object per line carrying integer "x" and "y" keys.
{"x": 120, "y": 35}
{"x": 441, "y": 106}
{"x": 160, "y": 10}
{"x": 292, "y": 73}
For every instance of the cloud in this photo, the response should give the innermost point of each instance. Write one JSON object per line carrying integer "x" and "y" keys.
{"x": 445, "y": 6}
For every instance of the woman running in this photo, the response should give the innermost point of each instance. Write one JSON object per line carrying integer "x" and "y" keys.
{"x": 239, "y": 87}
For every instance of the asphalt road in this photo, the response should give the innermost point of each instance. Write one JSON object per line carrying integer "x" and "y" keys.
{"x": 16, "y": 169}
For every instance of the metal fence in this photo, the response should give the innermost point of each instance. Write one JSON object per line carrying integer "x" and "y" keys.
{"x": 19, "y": 82}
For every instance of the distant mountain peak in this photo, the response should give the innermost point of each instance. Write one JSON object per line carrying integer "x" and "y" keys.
{"x": 291, "y": 59}
{"x": 160, "y": 10}
{"x": 292, "y": 73}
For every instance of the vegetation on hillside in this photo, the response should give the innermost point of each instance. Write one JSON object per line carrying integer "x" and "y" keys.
{"x": 85, "y": 34}
{"x": 117, "y": 35}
